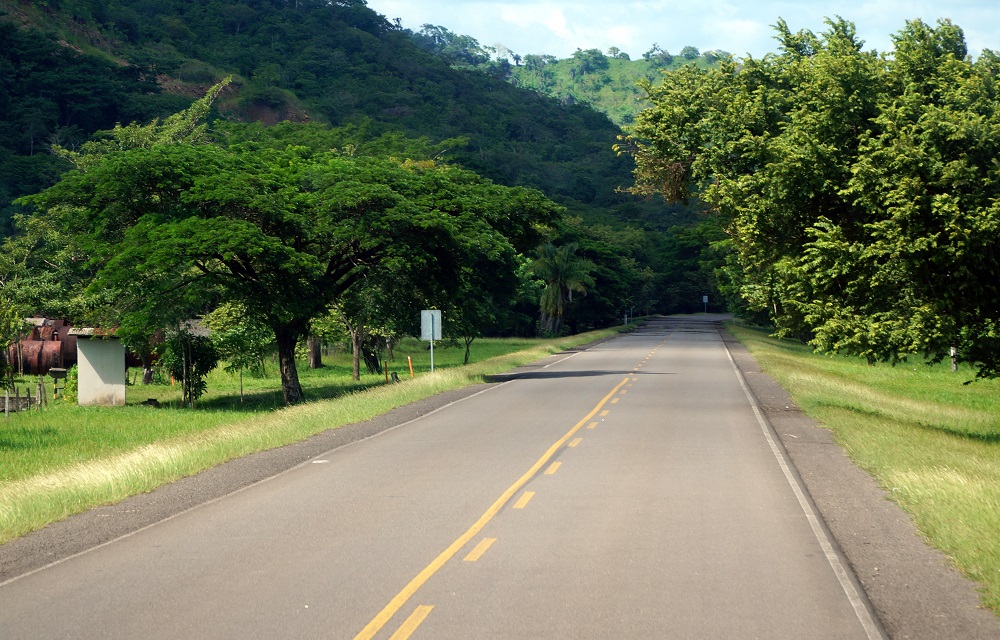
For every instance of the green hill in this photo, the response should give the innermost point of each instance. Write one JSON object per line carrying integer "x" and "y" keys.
{"x": 338, "y": 63}
{"x": 333, "y": 63}
{"x": 608, "y": 83}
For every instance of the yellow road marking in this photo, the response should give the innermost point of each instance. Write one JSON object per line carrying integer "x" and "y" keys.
{"x": 605, "y": 412}
{"x": 623, "y": 391}
{"x": 421, "y": 578}
{"x": 525, "y": 498}
{"x": 591, "y": 425}
{"x": 553, "y": 468}
{"x": 614, "y": 401}
{"x": 575, "y": 441}
{"x": 480, "y": 549}
{"x": 412, "y": 623}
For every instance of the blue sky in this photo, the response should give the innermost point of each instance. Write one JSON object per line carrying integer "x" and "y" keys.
{"x": 559, "y": 27}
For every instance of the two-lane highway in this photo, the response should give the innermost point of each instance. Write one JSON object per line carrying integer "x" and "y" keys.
{"x": 627, "y": 491}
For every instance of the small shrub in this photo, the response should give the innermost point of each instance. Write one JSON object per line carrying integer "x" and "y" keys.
{"x": 72, "y": 388}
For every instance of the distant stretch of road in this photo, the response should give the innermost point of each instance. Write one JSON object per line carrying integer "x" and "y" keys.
{"x": 629, "y": 490}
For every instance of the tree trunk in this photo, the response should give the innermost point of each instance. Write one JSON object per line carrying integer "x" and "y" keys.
{"x": 371, "y": 354}
{"x": 147, "y": 369}
{"x": 468, "y": 347}
{"x": 290, "y": 388}
{"x": 315, "y": 349}
{"x": 357, "y": 338}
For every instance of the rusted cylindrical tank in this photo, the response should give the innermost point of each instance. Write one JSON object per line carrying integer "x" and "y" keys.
{"x": 35, "y": 357}
{"x": 48, "y": 345}
{"x": 68, "y": 344}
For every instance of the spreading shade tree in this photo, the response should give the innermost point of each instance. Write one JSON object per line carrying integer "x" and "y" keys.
{"x": 177, "y": 228}
{"x": 861, "y": 192}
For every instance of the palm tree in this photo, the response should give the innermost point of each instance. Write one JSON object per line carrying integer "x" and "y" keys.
{"x": 563, "y": 272}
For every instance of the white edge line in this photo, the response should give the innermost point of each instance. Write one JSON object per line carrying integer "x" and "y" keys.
{"x": 241, "y": 489}
{"x": 562, "y": 359}
{"x": 864, "y": 616}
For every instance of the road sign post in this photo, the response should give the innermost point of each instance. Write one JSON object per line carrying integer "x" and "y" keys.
{"x": 430, "y": 329}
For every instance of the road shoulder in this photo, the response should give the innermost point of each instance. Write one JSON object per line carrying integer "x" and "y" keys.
{"x": 915, "y": 589}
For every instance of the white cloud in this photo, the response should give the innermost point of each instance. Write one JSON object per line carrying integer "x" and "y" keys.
{"x": 546, "y": 16}
{"x": 559, "y": 27}
{"x": 739, "y": 37}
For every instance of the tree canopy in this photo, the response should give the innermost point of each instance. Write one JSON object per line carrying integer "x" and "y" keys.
{"x": 363, "y": 84}
{"x": 860, "y": 191}
{"x": 174, "y": 229}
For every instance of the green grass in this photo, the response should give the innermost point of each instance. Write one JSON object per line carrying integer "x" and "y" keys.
{"x": 932, "y": 442}
{"x": 66, "y": 459}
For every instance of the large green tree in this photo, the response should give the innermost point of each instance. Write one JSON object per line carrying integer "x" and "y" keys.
{"x": 177, "y": 228}
{"x": 859, "y": 190}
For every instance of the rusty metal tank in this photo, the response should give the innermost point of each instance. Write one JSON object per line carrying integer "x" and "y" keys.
{"x": 48, "y": 346}
{"x": 35, "y": 357}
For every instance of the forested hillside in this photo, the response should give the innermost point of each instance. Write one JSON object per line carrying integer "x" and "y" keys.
{"x": 610, "y": 83}
{"x": 341, "y": 65}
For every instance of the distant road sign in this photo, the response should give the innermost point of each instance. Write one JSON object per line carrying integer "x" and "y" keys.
{"x": 430, "y": 329}
{"x": 430, "y": 324}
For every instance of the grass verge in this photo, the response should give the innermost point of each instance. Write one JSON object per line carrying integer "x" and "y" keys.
{"x": 67, "y": 459}
{"x": 932, "y": 442}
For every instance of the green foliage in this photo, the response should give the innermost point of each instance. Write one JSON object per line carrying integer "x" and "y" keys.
{"x": 187, "y": 126}
{"x": 609, "y": 83}
{"x": 386, "y": 91}
{"x": 860, "y": 191}
{"x": 49, "y": 264}
{"x": 563, "y": 272}
{"x": 72, "y": 389}
{"x": 189, "y": 359}
{"x": 241, "y": 343}
{"x": 458, "y": 50}
{"x": 12, "y": 328}
{"x": 175, "y": 229}
{"x": 50, "y": 93}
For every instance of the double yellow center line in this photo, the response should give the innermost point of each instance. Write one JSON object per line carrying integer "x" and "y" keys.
{"x": 421, "y": 578}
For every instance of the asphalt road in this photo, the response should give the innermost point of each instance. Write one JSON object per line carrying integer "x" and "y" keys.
{"x": 635, "y": 489}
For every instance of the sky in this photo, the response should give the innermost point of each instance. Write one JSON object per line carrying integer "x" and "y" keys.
{"x": 741, "y": 27}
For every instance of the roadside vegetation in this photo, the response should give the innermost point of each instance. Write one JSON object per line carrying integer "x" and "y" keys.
{"x": 859, "y": 191}
{"x": 930, "y": 440}
{"x": 67, "y": 459}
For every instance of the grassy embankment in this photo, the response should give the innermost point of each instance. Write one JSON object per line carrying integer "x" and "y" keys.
{"x": 932, "y": 442}
{"x": 66, "y": 459}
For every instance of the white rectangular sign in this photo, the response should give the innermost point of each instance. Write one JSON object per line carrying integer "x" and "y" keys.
{"x": 430, "y": 324}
